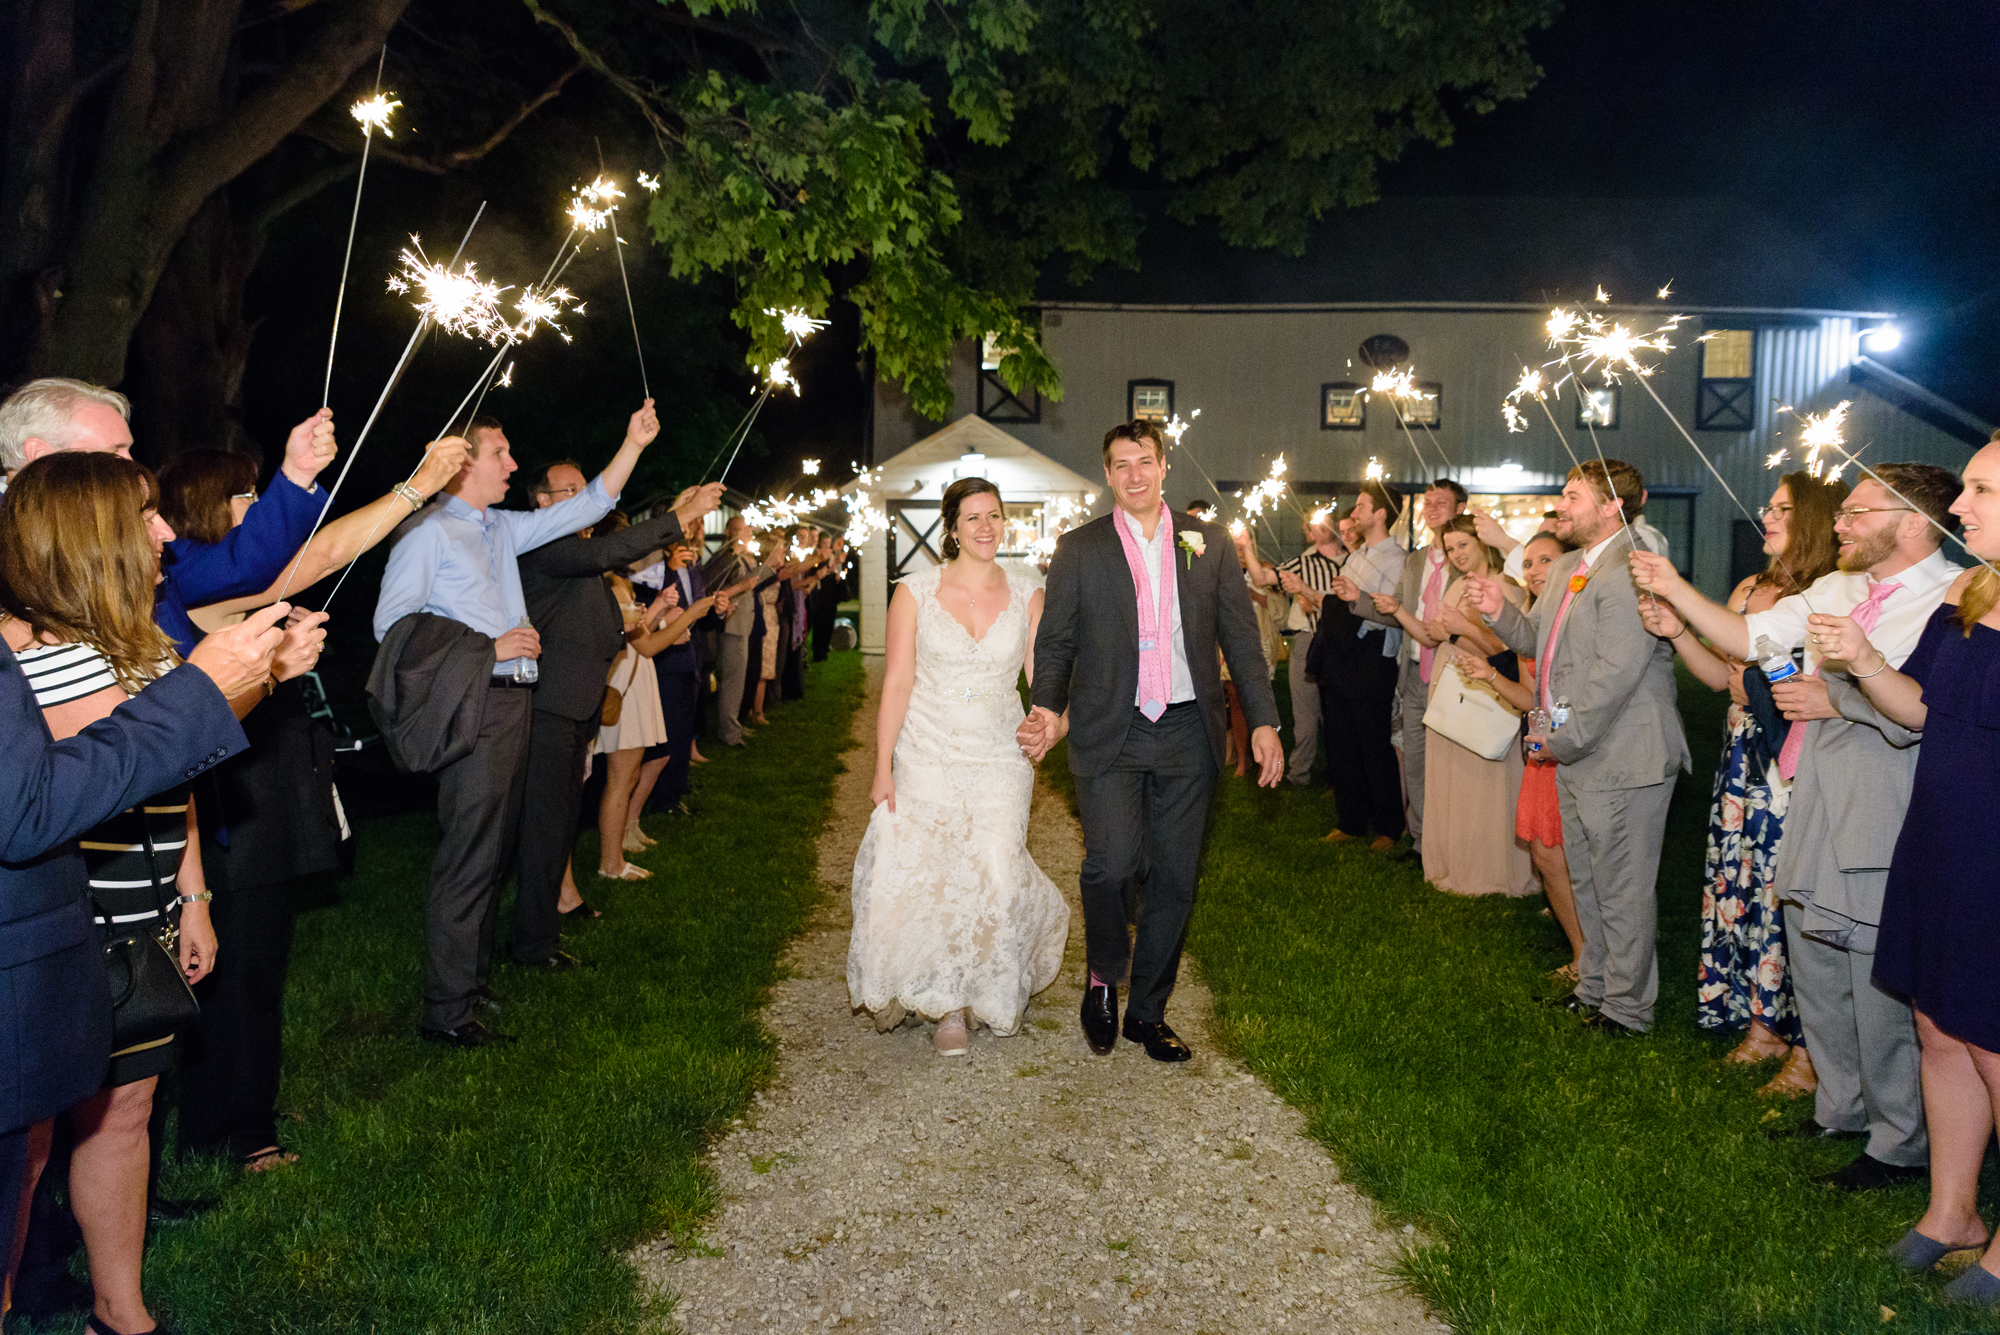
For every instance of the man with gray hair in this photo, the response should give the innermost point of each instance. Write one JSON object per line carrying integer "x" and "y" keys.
{"x": 54, "y": 414}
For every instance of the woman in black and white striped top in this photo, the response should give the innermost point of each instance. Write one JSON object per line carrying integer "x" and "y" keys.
{"x": 79, "y": 556}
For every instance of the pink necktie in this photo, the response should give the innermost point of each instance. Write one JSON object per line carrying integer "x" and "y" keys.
{"x": 1427, "y": 606}
{"x": 1156, "y": 657}
{"x": 1865, "y": 616}
{"x": 1546, "y": 666}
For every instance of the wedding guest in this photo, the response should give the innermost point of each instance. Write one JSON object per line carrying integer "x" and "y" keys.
{"x": 1354, "y": 662}
{"x": 1305, "y": 578}
{"x": 641, "y": 720}
{"x": 52, "y": 415}
{"x": 1940, "y": 927}
{"x": 663, "y": 777}
{"x": 1472, "y": 800}
{"x": 80, "y": 549}
{"x": 728, "y": 566}
{"x": 54, "y": 1052}
{"x": 1618, "y": 748}
{"x": 1742, "y": 980}
{"x": 1851, "y": 770}
{"x": 458, "y": 563}
{"x": 270, "y": 818}
{"x": 1538, "y": 814}
{"x": 1422, "y": 586}
{"x": 569, "y": 601}
{"x": 826, "y": 595}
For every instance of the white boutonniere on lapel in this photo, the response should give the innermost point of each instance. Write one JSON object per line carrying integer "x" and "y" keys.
{"x": 1194, "y": 544}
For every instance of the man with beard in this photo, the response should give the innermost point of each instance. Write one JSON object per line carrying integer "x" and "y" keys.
{"x": 1851, "y": 771}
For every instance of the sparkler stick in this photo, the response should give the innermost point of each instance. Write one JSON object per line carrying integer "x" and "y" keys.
{"x": 1398, "y": 384}
{"x": 618, "y": 245}
{"x": 800, "y": 327}
{"x": 373, "y": 113}
{"x": 1176, "y": 431}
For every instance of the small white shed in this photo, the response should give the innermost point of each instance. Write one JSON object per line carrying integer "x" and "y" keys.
{"x": 911, "y": 486}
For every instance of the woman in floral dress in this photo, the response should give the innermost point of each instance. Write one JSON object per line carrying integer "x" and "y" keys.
{"x": 1741, "y": 980}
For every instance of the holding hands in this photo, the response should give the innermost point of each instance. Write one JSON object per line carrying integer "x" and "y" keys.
{"x": 1039, "y": 731}
{"x": 309, "y": 448}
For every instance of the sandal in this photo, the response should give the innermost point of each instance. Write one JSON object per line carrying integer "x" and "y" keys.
{"x": 1750, "y": 1050}
{"x": 629, "y": 872}
{"x": 1567, "y": 974}
{"x": 264, "y": 1160}
{"x": 1793, "y": 1080}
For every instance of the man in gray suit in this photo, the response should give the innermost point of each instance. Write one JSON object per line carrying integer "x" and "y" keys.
{"x": 1619, "y": 747}
{"x": 1851, "y": 771}
{"x": 732, "y": 656}
{"x": 1125, "y": 665}
{"x": 1421, "y": 589}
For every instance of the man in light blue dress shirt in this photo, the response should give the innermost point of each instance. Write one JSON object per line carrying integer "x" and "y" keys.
{"x": 458, "y": 561}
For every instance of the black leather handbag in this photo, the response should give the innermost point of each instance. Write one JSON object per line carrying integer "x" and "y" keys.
{"x": 150, "y": 996}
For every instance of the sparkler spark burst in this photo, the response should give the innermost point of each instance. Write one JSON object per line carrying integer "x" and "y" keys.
{"x": 810, "y": 467}
{"x": 584, "y": 218}
{"x": 1606, "y": 346}
{"x": 1323, "y": 515}
{"x": 798, "y": 325}
{"x": 1266, "y": 494}
{"x": 778, "y": 375}
{"x": 650, "y": 184}
{"x": 460, "y": 302}
{"x": 373, "y": 113}
{"x": 1602, "y": 295}
{"x": 544, "y": 308}
{"x": 1236, "y": 528}
{"x": 507, "y": 377}
{"x": 1177, "y": 426}
{"x": 1374, "y": 471}
{"x": 1400, "y": 385}
{"x": 1516, "y": 420}
{"x": 1666, "y": 291}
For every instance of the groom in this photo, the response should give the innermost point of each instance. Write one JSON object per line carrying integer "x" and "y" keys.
{"x": 1137, "y": 603}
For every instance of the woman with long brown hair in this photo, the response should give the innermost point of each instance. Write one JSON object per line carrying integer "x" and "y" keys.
{"x": 1741, "y": 980}
{"x": 80, "y": 541}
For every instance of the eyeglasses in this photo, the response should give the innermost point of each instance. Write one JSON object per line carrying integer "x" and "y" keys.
{"x": 1766, "y": 511}
{"x": 1854, "y": 512}
{"x": 561, "y": 492}
{"x": 250, "y": 496}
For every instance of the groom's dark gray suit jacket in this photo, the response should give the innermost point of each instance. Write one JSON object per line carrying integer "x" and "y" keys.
{"x": 1087, "y": 650}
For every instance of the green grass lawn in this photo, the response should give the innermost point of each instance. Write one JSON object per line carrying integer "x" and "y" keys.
{"x": 493, "y": 1191}
{"x": 1569, "y": 1182}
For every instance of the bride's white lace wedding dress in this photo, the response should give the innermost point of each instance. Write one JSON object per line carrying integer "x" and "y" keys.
{"x": 949, "y": 908}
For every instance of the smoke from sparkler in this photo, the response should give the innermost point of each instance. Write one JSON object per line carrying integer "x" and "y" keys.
{"x": 373, "y": 113}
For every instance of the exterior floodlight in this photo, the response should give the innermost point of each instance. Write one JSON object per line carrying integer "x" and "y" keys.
{"x": 1882, "y": 338}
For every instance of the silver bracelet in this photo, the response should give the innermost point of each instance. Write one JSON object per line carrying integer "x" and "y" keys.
{"x": 409, "y": 494}
{"x": 201, "y": 898}
{"x": 1864, "y": 676}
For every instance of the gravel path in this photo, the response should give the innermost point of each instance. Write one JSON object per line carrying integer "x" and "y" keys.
{"x": 1029, "y": 1186}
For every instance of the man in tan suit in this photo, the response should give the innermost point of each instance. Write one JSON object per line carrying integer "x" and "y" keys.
{"x": 1618, "y": 748}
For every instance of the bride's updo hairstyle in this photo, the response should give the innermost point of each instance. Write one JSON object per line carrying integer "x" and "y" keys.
{"x": 955, "y": 496}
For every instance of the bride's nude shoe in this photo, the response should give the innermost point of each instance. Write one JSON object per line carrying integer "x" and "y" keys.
{"x": 951, "y": 1040}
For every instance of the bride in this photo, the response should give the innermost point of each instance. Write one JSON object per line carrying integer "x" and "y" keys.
{"x": 953, "y": 921}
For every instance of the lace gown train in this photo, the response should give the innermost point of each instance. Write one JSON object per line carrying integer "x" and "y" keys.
{"x": 950, "y": 910}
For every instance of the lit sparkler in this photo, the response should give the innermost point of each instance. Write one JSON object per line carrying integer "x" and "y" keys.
{"x": 810, "y": 467}
{"x": 1374, "y": 472}
{"x": 458, "y": 301}
{"x": 778, "y": 375}
{"x": 507, "y": 377}
{"x": 798, "y": 325}
{"x": 650, "y": 184}
{"x": 1666, "y": 291}
{"x": 1602, "y": 296}
{"x": 373, "y": 113}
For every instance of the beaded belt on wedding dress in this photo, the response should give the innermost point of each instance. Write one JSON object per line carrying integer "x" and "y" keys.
{"x": 976, "y": 695}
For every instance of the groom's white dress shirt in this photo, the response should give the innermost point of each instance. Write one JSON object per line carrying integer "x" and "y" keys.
{"x": 1149, "y": 563}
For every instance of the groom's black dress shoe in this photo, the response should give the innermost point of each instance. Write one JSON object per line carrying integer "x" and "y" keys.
{"x": 1162, "y": 1043}
{"x": 1570, "y": 1002}
{"x": 1868, "y": 1173}
{"x": 1812, "y": 1130}
{"x": 1100, "y": 1017}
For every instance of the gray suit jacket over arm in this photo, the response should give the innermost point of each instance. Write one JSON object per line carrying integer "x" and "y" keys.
{"x": 1087, "y": 649}
{"x": 1624, "y": 729}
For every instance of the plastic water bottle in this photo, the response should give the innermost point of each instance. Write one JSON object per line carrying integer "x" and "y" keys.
{"x": 1777, "y": 664}
{"x": 526, "y": 670}
{"x": 1538, "y": 726}
{"x": 1560, "y": 714}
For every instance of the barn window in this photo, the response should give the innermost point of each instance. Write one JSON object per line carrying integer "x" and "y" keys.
{"x": 1343, "y": 406}
{"x": 1149, "y": 400}
{"x": 1726, "y": 398}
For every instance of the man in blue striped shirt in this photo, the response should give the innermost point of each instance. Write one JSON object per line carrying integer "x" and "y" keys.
{"x": 457, "y": 560}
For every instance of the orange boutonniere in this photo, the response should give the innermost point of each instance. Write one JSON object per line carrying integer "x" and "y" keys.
{"x": 1577, "y": 581}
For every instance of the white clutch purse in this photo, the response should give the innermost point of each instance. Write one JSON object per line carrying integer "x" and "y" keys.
{"x": 1473, "y": 716}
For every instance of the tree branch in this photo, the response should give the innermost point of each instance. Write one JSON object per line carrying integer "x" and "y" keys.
{"x": 214, "y": 156}
{"x": 446, "y": 163}
{"x": 620, "y": 82}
